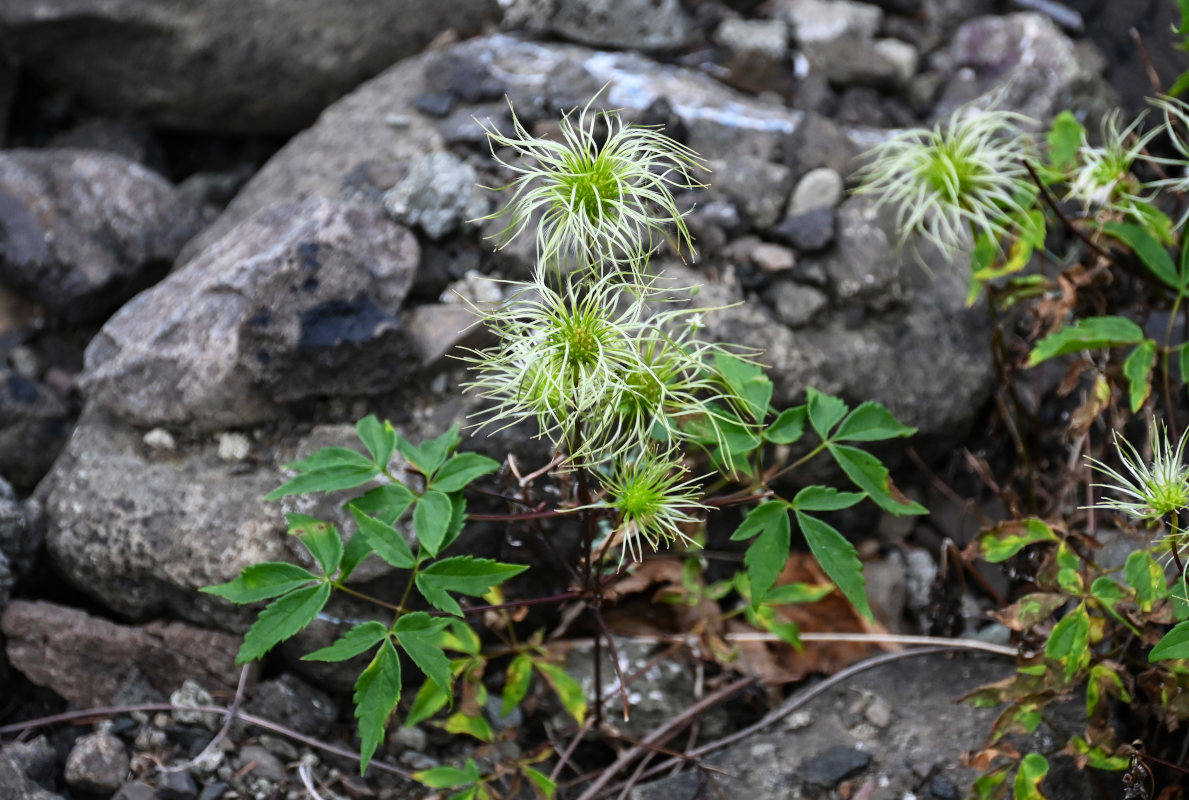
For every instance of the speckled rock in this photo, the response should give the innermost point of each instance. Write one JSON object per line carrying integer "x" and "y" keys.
{"x": 98, "y": 762}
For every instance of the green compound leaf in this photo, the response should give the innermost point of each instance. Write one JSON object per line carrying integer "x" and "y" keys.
{"x": 431, "y": 520}
{"x": 767, "y": 555}
{"x": 1069, "y": 641}
{"x": 476, "y": 726}
{"x": 418, "y": 635}
{"x": 376, "y": 694}
{"x": 386, "y": 503}
{"x": 465, "y": 575}
{"x": 1175, "y": 644}
{"x": 788, "y": 426}
{"x": 461, "y": 470}
{"x": 360, "y": 639}
{"x": 1064, "y": 138}
{"x": 1008, "y": 538}
{"x": 1086, "y": 334}
{"x": 1146, "y": 576}
{"x": 1107, "y": 591}
{"x": 871, "y": 422}
{"x": 760, "y": 518}
{"x": 825, "y": 498}
{"x": 384, "y": 539}
{"x": 796, "y": 592}
{"x": 516, "y": 683}
{"x": 1149, "y": 249}
{"x": 357, "y": 549}
{"x": 1137, "y": 369}
{"x": 427, "y": 458}
{"x": 330, "y": 457}
{"x": 748, "y": 381}
{"x": 281, "y": 619}
{"x": 870, "y": 475}
{"x": 458, "y": 516}
{"x": 838, "y": 558}
{"x": 320, "y": 538}
{"x": 568, "y": 690}
{"x": 328, "y": 479}
{"x": 545, "y": 787}
{"x": 448, "y": 777}
{"x": 824, "y": 412}
{"x": 378, "y": 437}
{"x": 1032, "y": 771}
{"x": 262, "y": 581}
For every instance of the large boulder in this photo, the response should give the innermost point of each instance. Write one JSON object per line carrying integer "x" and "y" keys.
{"x": 300, "y": 301}
{"x": 82, "y": 231}
{"x": 240, "y": 65}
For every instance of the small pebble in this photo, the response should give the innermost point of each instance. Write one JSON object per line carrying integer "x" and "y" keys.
{"x": 176, "y": 786}
{"x": 234, "y": 446}
{"x": 97, "y": 763}
{"x": 135, "y": 791}
{"x": 160, "y": 439}
{"x": 266, "y": 766}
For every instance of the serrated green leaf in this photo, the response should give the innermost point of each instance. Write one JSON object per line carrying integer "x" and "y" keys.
{"x": 465, "y": 575}
{"x": 796, "y": 592}
{"x": 788, "y": 426}
{"x": 385, "y": 540}
{"x": 329, "y": 479}
{"x": 360, "y": 639}
{"x": 458, "y": 517}
{"x": 1107, "y": 591}
{"x": 991, "y": 786}
{"x": 262, "y": 581}
{"x": 431, "y": 520}
{"x": 378, "y": 437}
{"x": 430, "y": 699}
{"x": 871, "y": 422}
{"x": 448, "y": 777}
{"x": 1069, "y": 641}
{"x": 281, "y": 619}
{"x": 764, "y": 618}
{"x": 377, "y": 691}
{"x": 357, "y": 549}
{"x": 1065, "y": 137}
{"x": 1086, "y": 334}
{"x": 320, "y": 538}
{"x": 825, "y": 498}
{"x": 462, "y": 638}
{"x": 760, "y": 518}
{"x": 516, "y": 683}
{"x": 838, "y": 558}
{"x": 1146, "y": 576}
{"x": 461, "y": 470}
{"x": 766, "y": 556}
{"x": 418, "y": 634}
{"x": 1175, "y": 644}
{"x": 329, "y": 457}
{"x": 870, "y": 475}
{"x": 824, "y": 412}
{"x": 545, "y": 787}
{"x": 1008, "y": 538}
{"x": 1137, "y": 369}
{"x": 427, "y": 458}
{"x": 386, "y": 503}
{"x": 1032, "y": 771}
{"x": 748, "y": 381}
{"x": 1149, "y": 250}
{"x": 568, "y": 690}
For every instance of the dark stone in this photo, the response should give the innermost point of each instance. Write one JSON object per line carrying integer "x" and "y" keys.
{"x": 831, "y": 767}
{"x": 176, "y": 786}
{"x": 943, "y": 788}
{"x": 13, "y": 783}
{"x": 292, "y": 702}
{"x": 35, "y": 422}
{"x": 817, "y": 142}
{"x": 213, "y": 791}
{"x": 436, "y": 104}
{"x": 808, "y": 231}
{"x": 135, "y": 791}
{"x": 465, "y": 77}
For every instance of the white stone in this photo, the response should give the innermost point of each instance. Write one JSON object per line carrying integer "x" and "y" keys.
{"x": 763, "y": 37}
{"x": 818, "y": 188}
{"x": 823, "y": 21}
{"x": 901, "y": 58}
{"x": 160, "y": 439}
{"x": 234, "y": 446}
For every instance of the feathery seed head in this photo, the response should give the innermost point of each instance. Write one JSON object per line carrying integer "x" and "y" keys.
{"x": 1149, "y": 491}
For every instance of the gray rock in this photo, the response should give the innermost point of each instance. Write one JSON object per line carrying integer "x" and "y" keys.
{"x": 261, "y": 763}
{"x": 816, "y": 188}
{"x": 87, "y": 660}
{"x": 815, "y": 22}
{"x": 766, "y": 39}
{"x": 819, "y": 142}
{"x": 809, "y": 231}
{"x": 298, "y": 302}
{"x": 378, "y": 124}
{"x": 1020, "y": 62}
{"x": 441, "y": 329}
{"x": 14, "y": 784}
{"x": 435, "y": 196}
{"x": 36, "y": 758}
{"x": 251, "y": 66}
{"x": 136, "y": 791}
{"x": 859, "y": 267}
{"x": 772, "y": 258}
{"x": 290, "y": 701}
{"x": 645, "y": 25}
{"x": 795, "y": 304}
{"x": 21, "y": 533}
{"x": 84, "y": 231}
{"x": 143, "y": 531}
{"x": 759, "y": 188}
{"x": 176, "y": 786}
{"x": 35, "y": 421}
{"x": 126, "y": 139}
{"x": 98, "y": 762}
{"x": 828, "y": 768}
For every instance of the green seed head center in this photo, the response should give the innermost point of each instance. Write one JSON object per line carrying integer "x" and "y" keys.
{"x": 591, "y": 187}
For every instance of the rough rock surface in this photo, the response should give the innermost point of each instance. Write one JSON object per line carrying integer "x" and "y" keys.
{"x": 82, "y": 232}
{"x": 143, "y": 531}
{"x": 300, "y": 301}
{"x": 35, "y": 422}
{"x": 644, "y": 25}
{"x": 246, "y": 65}
{"x": 21, "y": 533}
{"x": 98, "y": 762}
{"x": 87, "y": 660}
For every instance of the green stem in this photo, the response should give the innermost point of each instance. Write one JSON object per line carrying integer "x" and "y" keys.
{"x": 368, "y": 598}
